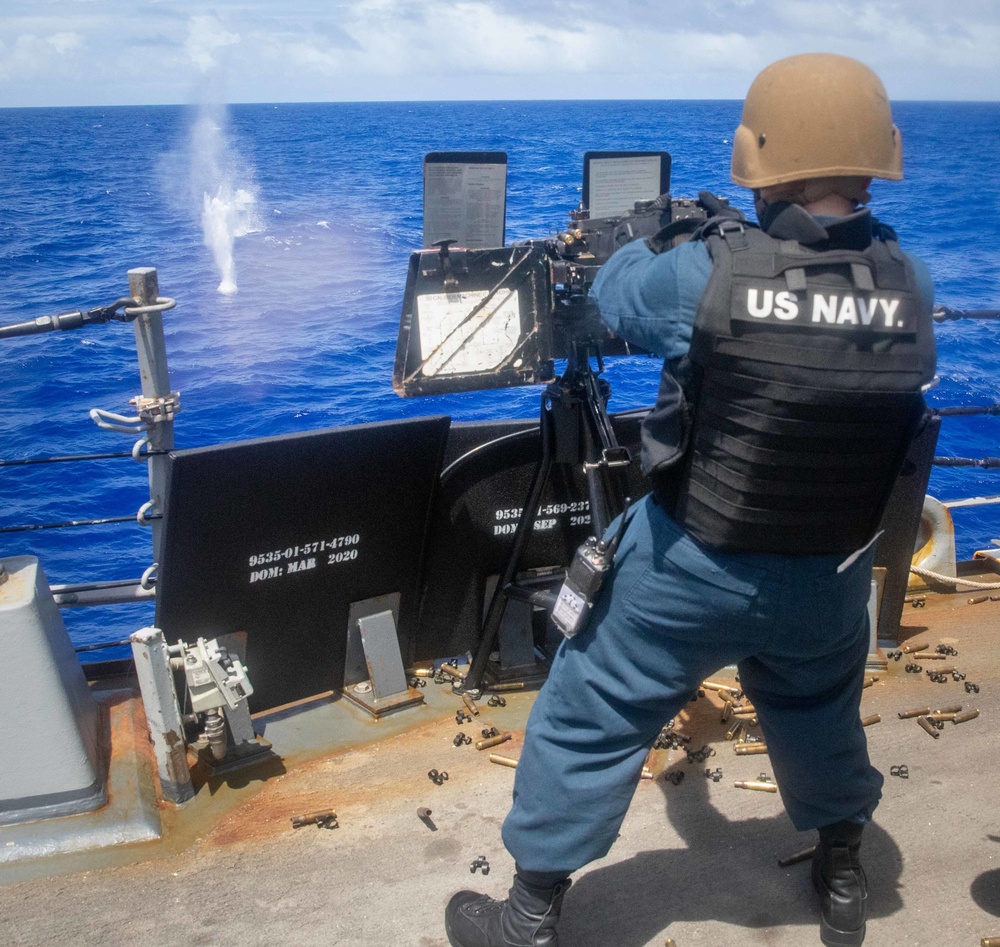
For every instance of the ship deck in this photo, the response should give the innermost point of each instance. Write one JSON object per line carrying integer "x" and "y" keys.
{"x": 696, "y": 861}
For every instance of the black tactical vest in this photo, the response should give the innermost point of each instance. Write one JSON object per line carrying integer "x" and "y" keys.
{"x": 785, "y": 427}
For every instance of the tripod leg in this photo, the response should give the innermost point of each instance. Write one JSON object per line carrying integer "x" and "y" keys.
{"x": 525, "y": 526}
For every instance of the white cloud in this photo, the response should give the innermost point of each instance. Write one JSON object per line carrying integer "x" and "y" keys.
{"x": 205, "y": 35}
{"x": 32, "y": 55}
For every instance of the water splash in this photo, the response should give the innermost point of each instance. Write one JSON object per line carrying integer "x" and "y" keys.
{"x": 224, "y": 180}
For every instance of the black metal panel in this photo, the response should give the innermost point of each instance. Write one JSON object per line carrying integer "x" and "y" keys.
{"x": 488, "y": 472}
{"x": 277, "y": 537}
{"x": 901, "y": 522}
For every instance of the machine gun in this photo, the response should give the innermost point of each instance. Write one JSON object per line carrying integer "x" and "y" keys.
{"x": 478, "y": 316}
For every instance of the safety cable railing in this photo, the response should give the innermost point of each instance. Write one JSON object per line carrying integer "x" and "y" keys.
{"x": 153, "y": 422}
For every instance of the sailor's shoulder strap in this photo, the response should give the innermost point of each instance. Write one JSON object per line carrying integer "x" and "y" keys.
{"x": 720, "y": 219}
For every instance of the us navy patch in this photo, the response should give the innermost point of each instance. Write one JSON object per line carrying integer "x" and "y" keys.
{"x": 880, "y": 312}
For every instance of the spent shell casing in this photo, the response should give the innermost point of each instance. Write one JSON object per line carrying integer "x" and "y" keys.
{"x": 945, "y": 670}
{"x": 802, "y": 856}
{"x": 968, "y": 715}
{"x": 755, "y": 785}
{"x": 990, "y": 942}
{"x": 503, "y": 760}
{"x": 718, "y": 686}
{"x": 747, "y": 710}
{"x": 452, "y": 672}
{"x": 327, "y": 815}
{"x": 950, "y": 709}
{"x": 928, "y": 726}
{"x": 727, "y": 713}
{"x": 750, "y": 749}
{"x": 915, "y": 712}
{"x": 910, "y": 648}
{"x": 500, "y": 688}
{"x": 979, "y": 599}
{"x": 646, "y": 773}
{"x": 868, "y": 721}
{"x": 869, "y": 681}
{"x": 471, "y": 704}
{"x": 423, "y": 813}
{"x": 928, "y": 656}
{"x": 492, "y": 741}
{"x": 727, "y": 697}
{"x": 423, "y": 672}
{"x": 937, "y": 716}
{"x": 734, "y": 731}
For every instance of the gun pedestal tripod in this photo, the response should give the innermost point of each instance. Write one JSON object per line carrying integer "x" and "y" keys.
{"x": 574, "y": 429}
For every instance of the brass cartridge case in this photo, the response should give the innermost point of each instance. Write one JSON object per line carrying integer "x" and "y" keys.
{"x": 718, "y": 686}
{"x": 500, "y": 688}
{"x": 868, "y": 682}
{"x": 868, "y": 721}
{"x": 727, "y": 713}
{"x": 910, "y": 648}
{"x": 929, "y": 656}
{"x": 755, "y": 785}
{"x": 734, "y": 731}
{"x": 802, "y": 856}
{"x": 968, "y": 715}
{"x": 942, "y": 716}
{"x": 928, "y": 726}
{"x": 492, "y": 741}
{"x": 945, "y": 670}
{"x": 423, "y": 813}
{"x": 916, "y": 712}
{"x": 471, "y": 704}
{"x": 950, "y": 709}
{"x": 423, "y": 672}
{"x": 646, "y": 773}
{"x": 747, "y": 710}
{"x": 990, "y": 942}
{"x": 750, "y": 749}
{"x": 503, "y": 760}
{"x": 452, "y": 672}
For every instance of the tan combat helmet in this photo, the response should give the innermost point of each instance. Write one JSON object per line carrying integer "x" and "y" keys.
{"x": 817, "y": 115}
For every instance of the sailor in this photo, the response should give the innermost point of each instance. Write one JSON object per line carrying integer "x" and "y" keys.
{"x": 794, "y": 356}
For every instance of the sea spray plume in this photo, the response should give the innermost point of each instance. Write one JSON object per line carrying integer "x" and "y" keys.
{"x": 223, "y": 183}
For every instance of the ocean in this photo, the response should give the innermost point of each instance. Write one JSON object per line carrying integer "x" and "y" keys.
{"x": 284, "y": 231}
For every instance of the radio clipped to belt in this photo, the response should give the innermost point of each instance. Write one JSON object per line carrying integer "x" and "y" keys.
{"x": 591, "y": 563}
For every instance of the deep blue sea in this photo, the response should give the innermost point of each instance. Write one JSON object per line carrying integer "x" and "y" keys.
{"x": 320, "y": 207}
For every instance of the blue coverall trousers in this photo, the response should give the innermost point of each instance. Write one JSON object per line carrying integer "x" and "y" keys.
{"x": 670, "y": 615}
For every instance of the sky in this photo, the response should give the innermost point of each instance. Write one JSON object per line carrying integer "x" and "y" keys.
{"x": 144, "y": 52}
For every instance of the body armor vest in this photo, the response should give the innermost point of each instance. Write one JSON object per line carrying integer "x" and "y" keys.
{"x": 785, "y": 427}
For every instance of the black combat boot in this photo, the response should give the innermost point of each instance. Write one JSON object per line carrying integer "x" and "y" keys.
{"x": 527, "y": 918}
{"x": 840, "y": 882}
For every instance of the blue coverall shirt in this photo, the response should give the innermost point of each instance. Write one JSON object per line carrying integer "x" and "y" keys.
{"x": 674, "y": 612}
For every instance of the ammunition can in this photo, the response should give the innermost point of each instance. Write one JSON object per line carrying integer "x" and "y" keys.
{"x": 755, "y": 785}
{"x": 868, "y": 721}
{"x": 492, "y": 741}
{"x": 916, "y": 712}
{"x": 928, "y": 726}
{"x": 750, "y": 749}
{"x": 910, "y": 648}
{"x": 503, "y": 760}
{"x": 968, "y": 715}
